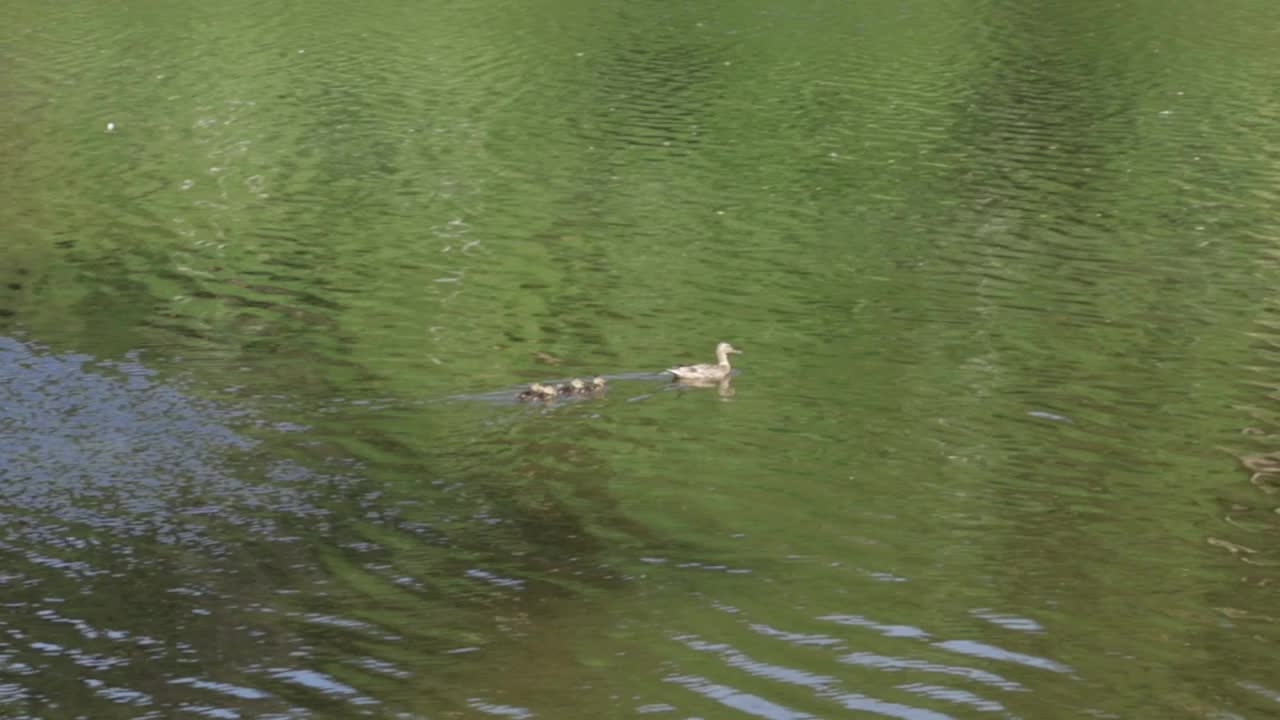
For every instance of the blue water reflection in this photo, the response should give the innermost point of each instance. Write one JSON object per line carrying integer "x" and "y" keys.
{"x": 103, "y": 445}
{"x": 128, "y": 508}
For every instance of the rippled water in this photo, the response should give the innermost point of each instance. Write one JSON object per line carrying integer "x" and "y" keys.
{"x": 1005, "y": 440}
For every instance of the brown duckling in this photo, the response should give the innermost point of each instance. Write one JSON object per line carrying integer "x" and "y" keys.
{"x": 537, "y": 391}
{"x": 574, "y": 387}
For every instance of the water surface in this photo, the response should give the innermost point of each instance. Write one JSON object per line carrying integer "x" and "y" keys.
{"x": 1002, "y": 444}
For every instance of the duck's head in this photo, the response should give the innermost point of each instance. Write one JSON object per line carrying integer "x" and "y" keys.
{"x": 725, "y": 348}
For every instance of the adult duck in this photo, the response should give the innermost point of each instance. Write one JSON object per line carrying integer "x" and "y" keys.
{"x": 707, "y": 371}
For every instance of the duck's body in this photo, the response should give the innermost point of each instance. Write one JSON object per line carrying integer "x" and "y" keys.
{"x": 707, "y": 371}
{"x": 537, "y": 391}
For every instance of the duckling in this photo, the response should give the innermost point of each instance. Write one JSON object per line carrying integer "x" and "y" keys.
{"x": 706, "y": 371}
{"x": 597, "y": 385}
{"x": 537, "y": 391}
{"x": 573, "y": 387}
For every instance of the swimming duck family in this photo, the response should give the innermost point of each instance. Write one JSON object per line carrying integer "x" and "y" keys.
{"x": 707, "y": 371}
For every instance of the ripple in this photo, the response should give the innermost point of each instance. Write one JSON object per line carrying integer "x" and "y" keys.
{"x": 224, "y": 688}
{"x": 738, "y": 700}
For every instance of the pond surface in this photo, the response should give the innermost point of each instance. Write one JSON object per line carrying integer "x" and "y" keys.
{"x": 1003, "y": 442}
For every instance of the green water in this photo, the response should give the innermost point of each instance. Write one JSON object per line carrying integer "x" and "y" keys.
{"x": 1004, "y": 274}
